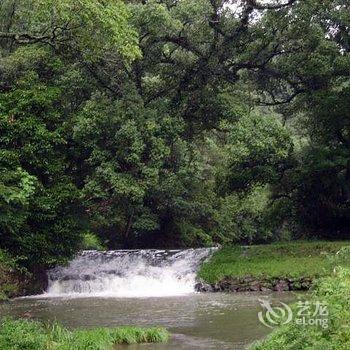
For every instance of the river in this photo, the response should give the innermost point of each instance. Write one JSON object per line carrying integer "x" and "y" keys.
{"x": 197, "y": 321}
{"x": 147, "y": 288}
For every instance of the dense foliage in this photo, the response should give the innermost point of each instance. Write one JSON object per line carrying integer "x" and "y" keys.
{"x": 9, "y": 285}
{"x": 171, "y": 123}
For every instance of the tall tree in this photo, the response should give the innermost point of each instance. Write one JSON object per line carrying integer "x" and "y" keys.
{"x": 48, "y": 51}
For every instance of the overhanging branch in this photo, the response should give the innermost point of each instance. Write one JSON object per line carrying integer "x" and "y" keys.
{"x": 24, "y": 38}
{"x": 258, "y": 6}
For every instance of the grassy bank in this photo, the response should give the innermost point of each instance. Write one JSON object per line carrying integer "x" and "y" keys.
{"x": 32, "y": 335}
{"x": 335, "y": 292}
{"x": 287, "y": 260}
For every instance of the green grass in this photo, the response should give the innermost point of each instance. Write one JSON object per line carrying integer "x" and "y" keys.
{"x": 33, "y": 335}
{"x": 334, "y": 291}
{"x": 289, "y": 260}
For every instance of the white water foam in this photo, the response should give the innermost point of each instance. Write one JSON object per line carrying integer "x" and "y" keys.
{"x": 125, "y": 273}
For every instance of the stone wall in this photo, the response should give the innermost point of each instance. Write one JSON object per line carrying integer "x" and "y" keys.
{"x": 251, "y": 284}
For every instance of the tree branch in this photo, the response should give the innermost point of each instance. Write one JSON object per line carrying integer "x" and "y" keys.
{"x": 24, "y": 38}
{"x": 258, "y": 6}
{"x": 282, "y": 102}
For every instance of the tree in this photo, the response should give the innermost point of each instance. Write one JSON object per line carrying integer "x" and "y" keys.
{"x": 169, "y": 123}
{"x": 140, "y": 180}
{"x": 40, "y": 218}
{"x": 259, "y": 150}
{"x": 85, "y": 28}
{"x": 313, "y": 88}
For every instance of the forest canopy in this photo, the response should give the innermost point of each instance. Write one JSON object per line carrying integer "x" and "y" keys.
{"x": 172, "y": 123}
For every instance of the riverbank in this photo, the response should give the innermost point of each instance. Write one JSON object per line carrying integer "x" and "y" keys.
{"x": 333, "y": 333}
{"x": 9, "y": 281}
{"x": 277, "y": 267}
{"x": 33, "y": 335}
{"x": 16, "y": 281}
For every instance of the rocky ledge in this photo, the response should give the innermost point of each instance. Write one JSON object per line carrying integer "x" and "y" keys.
{"x": 251, "y": 284}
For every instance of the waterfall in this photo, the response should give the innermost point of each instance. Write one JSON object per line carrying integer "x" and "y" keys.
{"x": 128, "y": 273}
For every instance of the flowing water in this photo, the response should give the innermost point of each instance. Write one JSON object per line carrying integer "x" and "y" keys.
{"x": 129, "y": 273}
{"x": 147, "y": 288}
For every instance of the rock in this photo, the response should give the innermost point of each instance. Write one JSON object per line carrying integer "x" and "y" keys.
{"x": 255, "y": 287}
{"x": 216, "y": 287}
{"x": 249, "y": 280}
{"x": 281, "y": 286}
{"x": 251, "y": 284}
{"x": 203, "y": 287}
{"x": 306, "y": 283}
{"x": 234, "y": 288}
